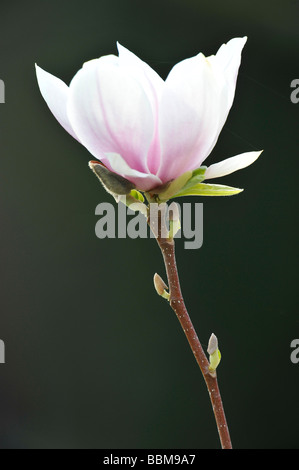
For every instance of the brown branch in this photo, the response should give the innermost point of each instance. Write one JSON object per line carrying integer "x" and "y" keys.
{"x": 178, "y": 305}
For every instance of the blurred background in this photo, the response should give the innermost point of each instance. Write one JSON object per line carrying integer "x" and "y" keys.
{"x": 94, "y": 358}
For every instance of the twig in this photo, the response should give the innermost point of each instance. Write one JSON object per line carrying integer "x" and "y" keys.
{"x": 178, "y": 305}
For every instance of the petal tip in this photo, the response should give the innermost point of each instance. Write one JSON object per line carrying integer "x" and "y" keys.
{"x": 257, "y": 154}
{"x": 38, "y": 69}
{"x": 232, "y": 164}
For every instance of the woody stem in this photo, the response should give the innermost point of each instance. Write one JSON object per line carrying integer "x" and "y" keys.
{"x": 178, "y": 305}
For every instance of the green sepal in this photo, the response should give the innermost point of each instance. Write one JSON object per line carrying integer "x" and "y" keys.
{"x": 174, "y": 186}
{"x": 197, "y": 177}
{"x": 137, "y": 195}
{"x": 166, "y": 295}
{"x": 133, "y": 200}
{"x": 203, "y": 189}
{"x": 215, "y": 359}
{"x": 199, "y": 173}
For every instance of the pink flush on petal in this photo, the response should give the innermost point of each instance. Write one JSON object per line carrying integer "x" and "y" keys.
{"x": 148, "y": 130}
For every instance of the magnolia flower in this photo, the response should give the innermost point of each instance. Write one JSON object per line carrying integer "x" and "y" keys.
{"x": 147, "y": 130}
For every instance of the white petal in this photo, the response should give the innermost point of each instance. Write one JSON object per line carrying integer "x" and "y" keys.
{"x": 185, "y": 115}
{"x": 229, "y": 57}
{"x": 143, "y": 181}
{"x": 195, "y": 104}
{"x": 150, "y": 80}
{"x": 231, "y": 164}
{"x": 55, "y": 92}
{"x": 110, "y": 112}
{"x": 152, "y": 85}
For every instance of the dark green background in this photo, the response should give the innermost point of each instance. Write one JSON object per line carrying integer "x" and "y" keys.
{"x": 94, "y": 358}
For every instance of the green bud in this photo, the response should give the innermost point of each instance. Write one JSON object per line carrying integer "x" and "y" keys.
{"x": 215, "y": 355}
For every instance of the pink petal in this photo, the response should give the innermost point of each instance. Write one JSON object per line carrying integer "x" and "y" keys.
{"x": 230, "y": 165}
{"x": 142, "y": 181}
{"x": 110, "y": 112}
{"x": 153, "y": 85}
{"x": 55, "y": 92}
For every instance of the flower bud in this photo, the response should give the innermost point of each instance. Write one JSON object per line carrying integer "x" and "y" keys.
{"x": 160, "y": 287}
{"x": 215, "y": 355}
